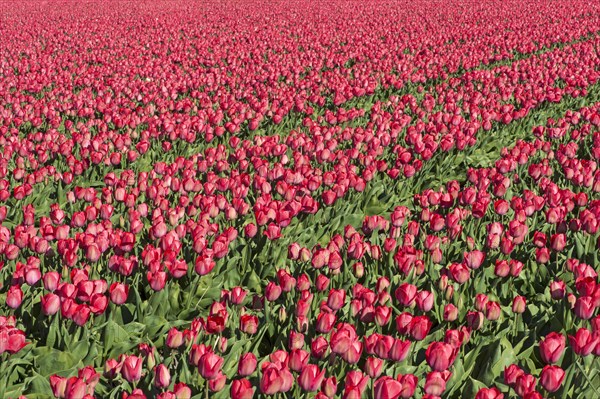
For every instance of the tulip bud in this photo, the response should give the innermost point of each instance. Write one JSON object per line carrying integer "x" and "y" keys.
{"x": 435, "y": 383}
{"x": 492, "y": 311}
{"x": 241, "y": 389}
{"x": 174, "y": 338}
{"x": 557, "y": 289}
{"x": 475, "y": 320}
{"x": 519, "y": 304}
{"x": 182, "y": 391}
{"x": 14, "y": 297}
{"x": 217, "y": 383}
{"x": 373, "y": 367}
{"x": 329, "y": 387}
{"x": 440, "y": 355}
{"x": 552, "y": 378}
{"x": 310, "y": 378}
{"x": 132, "y": 368}
{"x": 247, "y": 364}
{"x": 210, "y": 365}
{"x": 162, "y": 377}
{"x": 51, "y": 280}
{"x": 282, "y": 314}
{"x": 525, "y": 384}
{"x": 50, "y": 304}
{"x": 450, "y": 312}
{"x": 358, "y": 269}
{"x": 386, "y": 387}
{"x": 119, "y": 293}
{"x": 583, "y": 342}
{"x": 584, "y": 307}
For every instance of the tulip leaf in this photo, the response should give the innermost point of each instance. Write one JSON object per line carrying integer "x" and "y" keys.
{"x": 114, "y": 336}
{"x": 52, "y": 361}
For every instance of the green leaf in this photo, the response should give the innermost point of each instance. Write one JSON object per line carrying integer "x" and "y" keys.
{"x": 51, "y": 361}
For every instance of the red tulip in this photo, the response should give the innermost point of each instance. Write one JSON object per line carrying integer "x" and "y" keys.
{"x": 557, "y": 289}
{"x": 58, "y": 385}
{"x": 329, "y": 387}
{"x": 373, "y": 367}
{"x": 238, "y": 294}
{"x": 174, "y": 338}
{"x": 419, "y": 327}
{"x": 552, "y": 347}
{"x": 272, "y": 291}
{"x": 583, "y": 342}
{"x": 12, "y": 339}
{"x": 76, "y": 388}
{"x": 450, "y": 312}
{"x": 387, "y": 388}
{"x": 552, "y": 378}
{"x": 132, "y": 368}
{"x": 249, "y": 324}
{"x": 475, "y": 320}
{"x": 210, "y": 365}
{"x": 14, "y": 297}
{"x": 51, "y": 280}
{"x": 399, "y": 350}
{"x": 218, "y": 383}
{"x": 310, "y": 378}
{"x": 425, "y": 301}
{"x": 336, "y": 299}
{"x": 247, "y": 364}
{"x": 409, "y": 385}
{"x": 241, "y": 389}
{"x": 298, "y": 359}
{"x": 558, "y": 242}
{"x": 519, "y": 304}
{"x": 319, "y": 346}
{"x": 406, "y": 294}
{"x": 162, "y": 377}
{"x": 474, "y": 259}
{"x": 481, "y": 301}
{"x": 493, "y": 310}
{"x": 435, "y": 383}
{"x": 81, "y": 314}
{"x": 403, "y": 323}
{"x": 275, "y": 379}
{"x": 119, "y": 293}
{"x": 325, "y": 322}
{"x": 489, "y": 393}
{"x": 182, "y": 391}
{"x": 524, "y": 384}
{"x": 585, "y": 307}
{"x": 440, "y": 355}
{"x": 50, "y": 304}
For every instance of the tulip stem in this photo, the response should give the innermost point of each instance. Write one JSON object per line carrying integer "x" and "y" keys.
{"x": 570, "y": 372}
{"x": 3, "y": 364}
{"x": 193, "y": 291}
{"x": 587, "y": 378}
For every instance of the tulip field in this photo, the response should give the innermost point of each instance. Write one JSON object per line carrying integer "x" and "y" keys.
{"x": 339, "y": 199}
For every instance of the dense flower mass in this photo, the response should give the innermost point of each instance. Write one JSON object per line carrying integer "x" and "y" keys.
{"x": 272, "y": 199}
